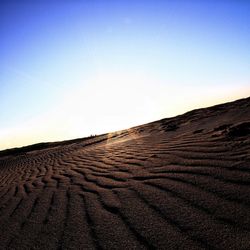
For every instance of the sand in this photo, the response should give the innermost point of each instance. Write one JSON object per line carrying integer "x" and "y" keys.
{"x": 177, "y": 183}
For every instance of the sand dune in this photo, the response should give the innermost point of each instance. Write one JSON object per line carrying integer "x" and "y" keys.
{"x": 177, "y": 183}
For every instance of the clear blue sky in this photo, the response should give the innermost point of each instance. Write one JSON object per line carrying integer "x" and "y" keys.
{"x": 73, "y": 68}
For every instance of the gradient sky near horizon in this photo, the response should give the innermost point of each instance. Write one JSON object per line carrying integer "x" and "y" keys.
{"x": 69, "y": 69}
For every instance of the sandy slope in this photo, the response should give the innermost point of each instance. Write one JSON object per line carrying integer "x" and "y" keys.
{"x": 179, "y": 183}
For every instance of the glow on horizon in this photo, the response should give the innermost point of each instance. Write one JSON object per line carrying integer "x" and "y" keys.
{"x": 91, "y": 67}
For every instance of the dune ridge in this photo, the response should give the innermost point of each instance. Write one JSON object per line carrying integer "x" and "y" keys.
{"x": 177, "y": 183}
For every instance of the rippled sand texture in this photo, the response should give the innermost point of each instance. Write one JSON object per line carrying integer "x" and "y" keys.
{"x": 178, "y": 183}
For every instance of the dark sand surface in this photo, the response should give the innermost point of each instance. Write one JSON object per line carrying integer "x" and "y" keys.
{"x": 178, "y": 183}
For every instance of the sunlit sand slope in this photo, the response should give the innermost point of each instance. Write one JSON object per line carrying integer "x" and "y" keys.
{"x": 178, "y": 183}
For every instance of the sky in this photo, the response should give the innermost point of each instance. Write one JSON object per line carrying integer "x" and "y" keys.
{"x": 69, "y": 69}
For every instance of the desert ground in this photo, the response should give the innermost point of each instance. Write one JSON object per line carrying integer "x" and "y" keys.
{"x": 177, "y": 183}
